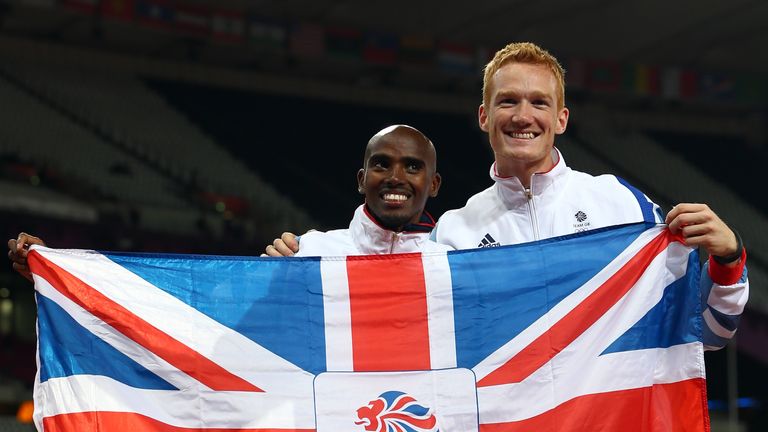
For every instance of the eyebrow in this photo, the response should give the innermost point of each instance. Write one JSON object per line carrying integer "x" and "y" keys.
{"x": 413, "y": 160}
{"x": 406, "y": 159}
{"x": 532, "y": 95}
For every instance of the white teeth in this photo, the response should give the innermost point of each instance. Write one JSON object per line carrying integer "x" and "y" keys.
{"x": 522, "y": 135}
{"x": 395, "y": 197}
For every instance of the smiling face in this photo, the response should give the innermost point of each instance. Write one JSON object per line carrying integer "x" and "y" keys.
{"x": 522, "y": 117}
{"x": 398, "y": 176}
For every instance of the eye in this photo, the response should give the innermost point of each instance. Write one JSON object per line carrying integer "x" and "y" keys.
{"x": 507, "y": 102}
{"x": 541, "y": 102}
{"x": 412, "y": 167}
{"x": 378, "y": 164}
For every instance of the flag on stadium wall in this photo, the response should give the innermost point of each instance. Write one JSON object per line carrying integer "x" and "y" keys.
{"x": 670, "y": 83}
{"x": 380, "y": 49}
{"x": 679, "y": 83}
{"x": 576, "y": 74}
{"x": 752, "y": 89}
{"x": 307, "y": 40}
{"x": 155, "y": 13}
{"x": 118, "y": 9}
{"x": 689, "y": 84}
{"x": 193, "y": 20}
{"x": 267, "y": 34}
{"x": 456, "y": 58}
{"x": 40, "y": 3}
{"x": 228, "y": 26}
{"x": 598, "y": 331}
{"x": 716, "y": 86}
{"x": 603, "y": 75}
{"x": 642, "y": 80}
{"x": 417, "y": 51}
{"x": 87, "y": 6}
{"x": 344, "y": 42}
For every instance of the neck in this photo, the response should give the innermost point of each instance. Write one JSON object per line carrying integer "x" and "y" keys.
{"x": 525, "y": 170}
{"x": 424, "y": 223}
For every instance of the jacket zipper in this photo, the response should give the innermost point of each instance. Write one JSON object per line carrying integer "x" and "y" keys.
{"x": 532, "y": 212}
{"x": 392, "y": 244}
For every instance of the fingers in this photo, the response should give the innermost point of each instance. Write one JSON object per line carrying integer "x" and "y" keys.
{"x": 22, "y": 243}
{"x": 289, "y": 239}
{"x": 282, "y": 248}
{"x": 25, "y": 240}
{"x": 692, "y": 230}
{"x": 686, "y": 214}
{"x": 273, "y": 251}
{"x": 684, "y": 208}
{"x": 15, "y": 253}
{"x": 689, "y": 222}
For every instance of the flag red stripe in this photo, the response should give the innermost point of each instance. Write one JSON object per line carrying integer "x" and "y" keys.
{"x": 578, "y": 320}
{"x": 143, "y": 333}
{"x": 123, "y": 421}
{"x": 678, "y": 407}
{"x": 388, "y": 289}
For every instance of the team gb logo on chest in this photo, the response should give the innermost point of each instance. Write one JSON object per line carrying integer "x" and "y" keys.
{"x": 582, "y": 224}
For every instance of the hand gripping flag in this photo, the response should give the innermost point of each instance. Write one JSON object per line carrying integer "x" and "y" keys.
{"x": 599, "y": 331}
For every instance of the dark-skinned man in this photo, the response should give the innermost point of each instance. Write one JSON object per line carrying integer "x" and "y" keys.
{"x": 399, "y": 174}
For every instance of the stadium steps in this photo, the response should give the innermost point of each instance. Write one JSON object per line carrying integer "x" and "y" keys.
{"x": 117, "y": 105}
{"x": 36, "y": 131}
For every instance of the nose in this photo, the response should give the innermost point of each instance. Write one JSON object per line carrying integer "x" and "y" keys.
{"x": 396, "y": 174}
{"x": 523, "y": 113}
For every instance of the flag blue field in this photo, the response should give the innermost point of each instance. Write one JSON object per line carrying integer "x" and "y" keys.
{"x": 597, "y": 331}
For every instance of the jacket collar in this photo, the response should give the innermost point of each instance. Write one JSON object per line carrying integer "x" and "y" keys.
{"x": 425, "y": 224}
{"x": 372, "y": 239}
{"x": 511, "y": 190}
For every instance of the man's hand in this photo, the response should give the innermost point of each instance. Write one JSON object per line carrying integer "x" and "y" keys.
{"x": 17, "y": 252}
{"x": 286, "y": 245}
{"x": 700, "y": 226}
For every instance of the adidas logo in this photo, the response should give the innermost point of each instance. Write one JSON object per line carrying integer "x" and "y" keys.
{"x": 488, "y": 241}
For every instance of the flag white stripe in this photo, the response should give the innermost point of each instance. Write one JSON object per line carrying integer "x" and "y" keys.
{"x": 544, "y": 323}
{"x": 442, "y": 336}
{"x": 338, "y": 315}
{"x": 215, "y": 341}
{"x": 83, "y": 393}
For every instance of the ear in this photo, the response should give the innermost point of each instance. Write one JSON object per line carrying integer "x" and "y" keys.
{"x": 435, "y": 186}
{"x": 360, "y": 179}
{"x": 562, "y": 120}
{"x": 482, "y": 118}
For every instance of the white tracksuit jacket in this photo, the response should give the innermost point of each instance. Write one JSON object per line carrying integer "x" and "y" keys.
{"x": 563, "y": 201}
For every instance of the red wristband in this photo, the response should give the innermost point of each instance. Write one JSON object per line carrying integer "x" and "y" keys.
{"x": 722, "y": 274}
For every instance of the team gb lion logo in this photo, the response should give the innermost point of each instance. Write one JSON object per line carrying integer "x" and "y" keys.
{"x": 395, "y": 411}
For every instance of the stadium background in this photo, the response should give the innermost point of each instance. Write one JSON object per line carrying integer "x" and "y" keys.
{"x": 212, "y": 126}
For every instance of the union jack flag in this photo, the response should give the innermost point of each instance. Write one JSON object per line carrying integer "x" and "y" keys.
{"x": 597, "y": 331}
